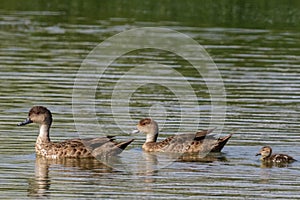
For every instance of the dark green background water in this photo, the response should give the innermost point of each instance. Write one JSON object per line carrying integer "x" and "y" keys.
{"x": 255, "y": 45}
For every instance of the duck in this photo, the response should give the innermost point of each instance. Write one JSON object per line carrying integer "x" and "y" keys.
{"x": 72, "y": 148}
{"x": 199, "y": 142}
{"x": 268, "y": 157}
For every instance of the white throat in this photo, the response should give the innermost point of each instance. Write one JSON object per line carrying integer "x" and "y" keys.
{"x": 151, "y": 137}
{"x": 44, "y": 133}
{"x": 152, "y": 134}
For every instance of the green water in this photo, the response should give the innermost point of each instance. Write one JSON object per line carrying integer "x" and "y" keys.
{"x": 255, "y": 46}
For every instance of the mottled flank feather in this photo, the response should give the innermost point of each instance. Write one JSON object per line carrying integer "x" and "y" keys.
{"x": 81, "y": 148}
{"x": 74, "y": 148}
{"x": 200, "y": 142}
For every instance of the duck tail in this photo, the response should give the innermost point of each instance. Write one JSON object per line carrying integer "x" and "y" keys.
{"x": 221, "y": 143}
{"x": 121, "y": 146}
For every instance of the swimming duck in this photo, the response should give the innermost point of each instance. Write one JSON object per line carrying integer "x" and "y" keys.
{"x": 73, "y": 148}
{"x": 199, "y": 142}
{"x": 266, "y": 156}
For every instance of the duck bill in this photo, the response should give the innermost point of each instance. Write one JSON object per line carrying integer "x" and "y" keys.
{"x": 135, "y": 131}
{"x": 27, "y": 121}
{"x": 257, "y": 154}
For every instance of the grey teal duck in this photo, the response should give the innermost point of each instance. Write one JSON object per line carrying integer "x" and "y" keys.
{"x": 73, "y": 148}
{"x": 199, "y": 142}
{"x": 268, "y": 157}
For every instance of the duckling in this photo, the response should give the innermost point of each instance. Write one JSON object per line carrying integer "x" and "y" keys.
{"x": 266, "y": 156}
{"x": 199, "y": 142}
{"x": 73, "y": 148}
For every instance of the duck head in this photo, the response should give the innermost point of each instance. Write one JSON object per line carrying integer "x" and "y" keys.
{"x": 149, "y": 127}
{"x": 265, "y": 152}
{"x": 38, "y": 114}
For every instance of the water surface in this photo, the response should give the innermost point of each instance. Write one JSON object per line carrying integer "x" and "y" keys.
{"x": 255, "y": 47}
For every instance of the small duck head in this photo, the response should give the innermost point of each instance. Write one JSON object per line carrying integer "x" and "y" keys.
{"x": 149, "y": 127}
{"x": 38, "y": 114}
{"x": 265, "y": 152}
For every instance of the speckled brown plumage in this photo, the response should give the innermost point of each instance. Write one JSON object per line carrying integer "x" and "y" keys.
{"x": 74, "y": 148}
{"x": 200, "y": 142}
{"x": 268, "y": 157}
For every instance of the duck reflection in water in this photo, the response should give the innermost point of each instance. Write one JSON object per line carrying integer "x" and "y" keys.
{"x": 39, "y": 186}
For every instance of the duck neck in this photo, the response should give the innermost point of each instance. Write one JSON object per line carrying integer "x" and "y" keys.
{"x": 44, "y": 134}
{"x": 152, "y": 137}
{"x": 265, "y": 157}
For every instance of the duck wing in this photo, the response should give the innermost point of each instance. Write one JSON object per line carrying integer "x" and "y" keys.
{"x": 282, "y": 158}
{"x": 200, "y": 142}
{"x": 86, "y": 148}
{"x": 106, "y": 146}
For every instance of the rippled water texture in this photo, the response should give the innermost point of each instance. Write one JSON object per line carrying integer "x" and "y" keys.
{"x": 255, "y": 46}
